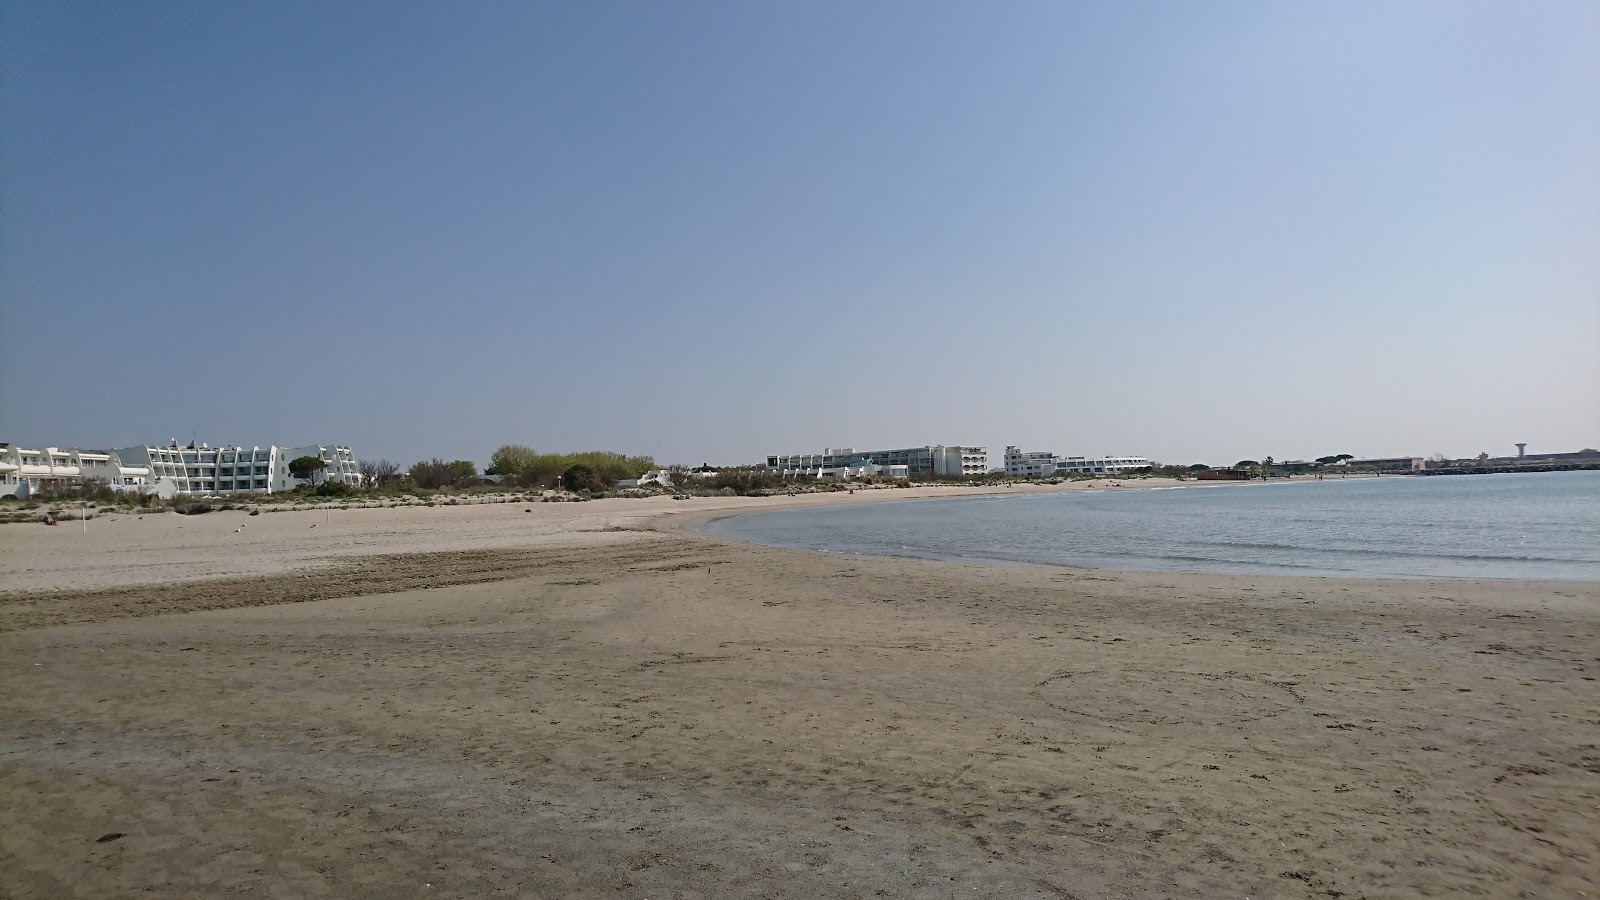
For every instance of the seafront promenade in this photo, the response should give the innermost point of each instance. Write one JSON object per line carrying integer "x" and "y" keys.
{"x": 596, "y": 700}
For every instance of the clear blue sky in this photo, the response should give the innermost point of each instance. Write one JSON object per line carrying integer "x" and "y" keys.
{"x": 1195, "y": 231}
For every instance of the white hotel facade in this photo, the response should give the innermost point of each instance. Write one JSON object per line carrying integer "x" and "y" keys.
{"x": 1043, "y": 464}
{"x": 24, "y": 472}
{"x": 169, "y": 471}
{"x": 236, "y": 470}
{"x": 907, "y": 462}
{"x": 1038, "y": 464}
{"x": 1101, "y": 465}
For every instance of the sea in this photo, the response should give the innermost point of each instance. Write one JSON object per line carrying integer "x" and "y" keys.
{"x": 1534, "y": 526}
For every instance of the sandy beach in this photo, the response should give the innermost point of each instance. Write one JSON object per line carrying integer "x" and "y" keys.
{"x": 596, "y": 700}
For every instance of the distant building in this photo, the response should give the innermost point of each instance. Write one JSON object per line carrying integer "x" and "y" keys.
{"x": 1524, "y": 457}
{"x": 233, "y": 470}
{"x": 1019, "y": 464}
{"x": 909, "y": 462}
{"x": 1585, "y": 458}
{"x": 1224, "y": 475}
{"x": 1101, "y": 465}
{"x": 26, "y": 472}
{"x": 1294, "y": 466}
{"x": 1034, "y": 464}
{"x": 1399, "y": 464}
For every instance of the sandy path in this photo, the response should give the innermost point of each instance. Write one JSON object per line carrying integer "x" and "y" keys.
{"x": 668, "y": 715}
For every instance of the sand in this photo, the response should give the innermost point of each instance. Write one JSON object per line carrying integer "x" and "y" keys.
{"x": 594, "y": 700}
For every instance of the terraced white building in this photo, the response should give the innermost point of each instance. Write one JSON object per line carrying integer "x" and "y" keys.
{"x": 912, "y": 462}
{"x": 234, "y": 470}
{"x": 24, "y": 472}
{"x": 168, "y": 471}
{"x": 1101, "y": 465}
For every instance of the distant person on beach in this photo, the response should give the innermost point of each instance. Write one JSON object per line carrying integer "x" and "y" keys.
{"x": 49, "y": 519}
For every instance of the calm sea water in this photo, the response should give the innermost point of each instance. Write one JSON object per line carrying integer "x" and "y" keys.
{"x": 1531, "y": 526}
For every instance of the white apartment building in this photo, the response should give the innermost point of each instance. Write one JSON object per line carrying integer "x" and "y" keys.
{"x": 1036, "y": 464}
{"x": 25, "y": 472}
{"x": 931, "y": 460}
{"x": 1101, "y": 465}
{"x": 168, "y": 471}
{"x": 205, "y": 469}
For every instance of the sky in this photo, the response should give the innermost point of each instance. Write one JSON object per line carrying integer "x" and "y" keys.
{"x": 713, "y": 231}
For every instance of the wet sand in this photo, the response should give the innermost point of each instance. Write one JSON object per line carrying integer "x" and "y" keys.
{"x": 612, "y": 705}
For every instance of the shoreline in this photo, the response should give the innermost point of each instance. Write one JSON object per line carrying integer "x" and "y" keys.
{"x": 205, "y": 562}
{"x": 608, "y": 703}
{"x": 124, "y": 549}
{"x": 701, "y": 524}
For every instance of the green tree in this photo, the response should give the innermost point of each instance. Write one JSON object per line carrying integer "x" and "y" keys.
{"x": 580, "y": 477}
{"x": 1199, "y": 467}
{"x": 513, "y": 461}
{"x": 1247, "y": 464}
{"x": 306, "y": 468}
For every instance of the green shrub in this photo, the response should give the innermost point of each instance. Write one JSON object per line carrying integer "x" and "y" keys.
{"x": 744, "y": 481}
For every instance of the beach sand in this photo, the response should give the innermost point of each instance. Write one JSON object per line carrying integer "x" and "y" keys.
{"x": 594, "y": 700}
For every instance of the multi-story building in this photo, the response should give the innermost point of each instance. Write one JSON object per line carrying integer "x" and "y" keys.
{"x": 1101, "y": 465}
{"x": 1523, "y": 457}
{"x": 205, "y": 469}
{"x": 1035, "y": 464}
{"x": 24, "y": 472}
{"x": 1387, "y": 464}
{"x": 168, "y": 471}
{"x": 932, "y": 460}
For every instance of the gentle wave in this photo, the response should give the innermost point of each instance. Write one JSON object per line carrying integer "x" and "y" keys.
{"x": 1379, "y": 551}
